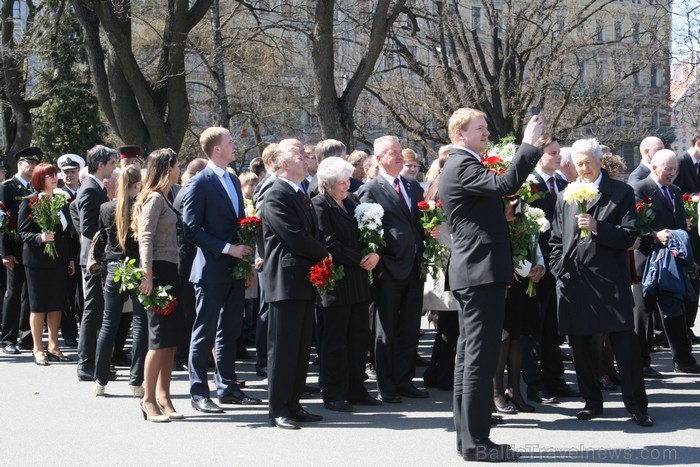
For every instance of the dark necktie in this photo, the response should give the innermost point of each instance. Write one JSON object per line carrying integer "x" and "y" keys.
{"x": 397, "y": 189}
{"x": 552, "y": 188}
{"x": 104, "y": 190}
{"x": 667, "y": 195}
{"x": 697, "y": 171}
{"x": 304, "y": 199}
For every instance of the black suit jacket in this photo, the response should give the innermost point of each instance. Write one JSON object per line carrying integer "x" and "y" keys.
{"x": 29, "y": 234}
{"x": 593, "y": 277}
{"x": 403, "y": 233}
{"x": 665, "y": 217}
{"x": 547, "y": 204}
{"x": 12, "y": 192}
{"x": 90, "y": 197}
{"x": 472, "y": 197}
{"x": 292, "y": 244}
{"x": 186, "y": 249}
{"x": 341, "y": 236}
{"x": 640, "y": 173}
{"x": 687, "y": 178}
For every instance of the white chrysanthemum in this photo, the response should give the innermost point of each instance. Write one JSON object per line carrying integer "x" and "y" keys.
{"x": 531, "y": 179}
{"x": 59, "y": 192}
{"x": 534, "y": 213}
{"x": 544, "y": 224}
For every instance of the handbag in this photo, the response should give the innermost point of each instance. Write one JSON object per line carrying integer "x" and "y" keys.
{"x": 96, "y": 252}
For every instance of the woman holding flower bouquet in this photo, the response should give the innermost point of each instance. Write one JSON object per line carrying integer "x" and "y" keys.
{"x": 154, "y": 224}
{"x": 345, "y": 331}
{"x": 43, "y": 224}
{"x": 114, "y": 221}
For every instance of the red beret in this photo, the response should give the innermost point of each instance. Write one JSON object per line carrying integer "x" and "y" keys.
{"x": 126, "y": 152}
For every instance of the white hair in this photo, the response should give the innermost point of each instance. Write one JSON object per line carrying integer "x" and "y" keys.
{"x": 590, "y": 147}
{"x": 332, "y": 169}
{"x": 565, "y": 156}
{"x": 382, "y": 141}
{"x": 444, "y": 149}
{"x": 662, "y": 157}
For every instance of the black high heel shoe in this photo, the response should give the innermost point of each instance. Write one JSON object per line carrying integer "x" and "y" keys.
{"x": 52, "y": 357}
{"x": 503, "y": 405}
{"x": 522, "y": 407}
{"x": 38, "y": 362}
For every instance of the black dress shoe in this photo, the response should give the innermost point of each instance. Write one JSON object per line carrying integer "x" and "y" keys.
{"x": 650, "y": 373}
{"x": 262, "y": 372}
{"x": 565, "y": 357}
{"x": 420, "y": 361}
{"x": 390, "y": 398}
{"x": 70, "y": 343}
{"x": 58, "y": 358}
{"x": 541, "y": 397}
{"x": 312, "y": 389}
{"x": 413, "y": 392}
{"x": 366, "y": 400}
{"x": 239, "y": 398}
{"x": 563, "y": 391}
{"x": 284, "y": 423}
{"x": 642, "y": 419}
{"x": 85, "y": 376}
{"x": 488, "y": 451}
{"x": 693, "y": 368}
{"x": 206, "y": 405}
{"x": 589, "y": 412}
{"x": 338, "y": 406}
{"x": 693, "y": 338}
{"x": 10, "y": 349}
{"x": 302, "y": 415}
{"x": 522, "y": 407}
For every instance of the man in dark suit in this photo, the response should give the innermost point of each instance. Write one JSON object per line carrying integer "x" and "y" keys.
{"x": 542, "y": 364}
{"x": 399, "y": 283}
{"x": 647, "y": 148}
{"x": 101, "y": 162}
{"x": 480, "y": 269}
{"x": 593, "y": 282}
{"x": 688, "y": 180}
{"x": 211, "y": 206}
{"x": 292, "y": 247}
{"x": 15, "y": 306}
{"x": 667, "y": 205}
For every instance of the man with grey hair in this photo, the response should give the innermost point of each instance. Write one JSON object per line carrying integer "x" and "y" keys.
{"x": 325, "y": 148}
{"x": 370, "y": 167}
{"x": 648, "y": 147}
{"x": 592, "y": 274}
{"x": 567, "y": 169}
{"x": 667, "y": 206}
{"x": 399, "y": 282}
{"x": 357, "y": 159}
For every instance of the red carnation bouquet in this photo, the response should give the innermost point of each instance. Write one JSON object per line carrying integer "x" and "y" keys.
{"x": 45, "y": 211}
{"x": 250, "y": 226}
{"x": 432, "y": 215}
{"x": 7, "y": 224}
{"x": 159, "y": 302}
{"x": 645, "y": 215}
{"x": 690, "y": 206}
{"x": 324, "y": 275}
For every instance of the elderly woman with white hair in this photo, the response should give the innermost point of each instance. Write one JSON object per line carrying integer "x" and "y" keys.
{"x": 345, "y": 331}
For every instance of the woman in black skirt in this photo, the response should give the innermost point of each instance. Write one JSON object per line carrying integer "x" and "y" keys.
{"x": 154, "y": 223}
{"x": 46, "y": 276}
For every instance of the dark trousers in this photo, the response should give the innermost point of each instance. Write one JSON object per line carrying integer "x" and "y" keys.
{"x": 441, "y": 371}
{"x": 188, "y": 303}
{"x": 92, "y": 321}
{"x": 643, "y": 322}
{"x": 673, "y": 320}
{"x": 15, "y": 307}
{"x": 290, "y": 325}
{"x": 399, "y": 306}
{"x": 73, "y": 308}
{"x": 344, "y": 345}
{"x": 480, "y": 329}
{"x": 114, "y": 304}
{"x": 217, "y": 325}
{"x": 261, "y": 330}
{"x": 626, "y": 349}
{"x": 542, "y": 365}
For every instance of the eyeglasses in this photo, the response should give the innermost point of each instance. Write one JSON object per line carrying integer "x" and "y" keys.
{"x": 51, "y": 176}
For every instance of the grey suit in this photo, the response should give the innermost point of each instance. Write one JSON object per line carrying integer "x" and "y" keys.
{"x": 638, "y": 174}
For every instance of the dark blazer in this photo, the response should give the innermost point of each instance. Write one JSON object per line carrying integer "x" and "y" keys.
{"x": 687, "y": 179}
{"x": 186, "y": 249}
{"x": 403, "y": 234}
{"x": 665, "y": 217}
{"x": 74, "y": 233}
{"x": 292, "y": 244}
{"x": 341, "y": 237}
{"x": 593, "y": 277}
{"x": 114, "y": 252}
{"x": 90, "y": 197}
{"x": 12, "y": 192}
{"x": 355, "y": 185}
{"x": 210, "y": 222}
{"x": 472, "y": 197}
{"x": 547, "y": 204}
{"x": 29, "y": 233}
{"x": 638, "y": 174}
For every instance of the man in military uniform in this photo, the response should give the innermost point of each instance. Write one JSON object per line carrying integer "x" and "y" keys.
{"x": 15, "y": 306}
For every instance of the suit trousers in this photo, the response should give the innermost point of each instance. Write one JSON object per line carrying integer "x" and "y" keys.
{"x": 344, "y": 345}
{"x": 673, "y": 320}
{"x": 626, "y": 349}
{"x": 92, "y": 321}
{"x": 261, "y": 328}
{"x": 15, "y": 306}
{"x": 290, "y": 325}
{"x": 399, "y": 307}
{"x": 188, "y": 302}
{"x": 480, "y": 328}
{"x": 643, "y": 322}
{"x": 69, "y": 318}
{"x": 691, "y": 307}
{"x": 217, "y": 325}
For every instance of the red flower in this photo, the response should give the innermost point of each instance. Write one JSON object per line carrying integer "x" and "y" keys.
{"x": 646, "y": 200}
{"x": 423, "y": 205}
{"x": 249, "y": 221}
{"x": 438, "y": 203}
{"x": 686, "y": 197}
{"x": 534, "y": 189}
{"x": 492, "y": 160}
{"x": 640, "y": 207}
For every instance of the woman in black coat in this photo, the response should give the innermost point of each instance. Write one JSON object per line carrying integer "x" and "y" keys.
{"x": 345, "y": 309}
{"x": 46, "y": 276}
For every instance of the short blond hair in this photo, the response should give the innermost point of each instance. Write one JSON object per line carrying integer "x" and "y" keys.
{"x": 248, "y": 176}
{"x": 268, "y": 154}
{"x": 460, "y": 120}
{"x": 211, "y": 137}
{"x": 409, "y": 155}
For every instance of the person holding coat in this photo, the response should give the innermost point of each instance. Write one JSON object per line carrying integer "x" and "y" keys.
{"x": 593, "y": 287}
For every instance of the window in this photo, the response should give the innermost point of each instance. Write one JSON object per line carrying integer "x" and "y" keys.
{"x": 637, "y": 115}
{"x": 655, "y": 119}
{"x": 635, "y": 33}
{"x": 618, "y": 31}
{"x": 498, "y": 18}
{"x": 653, "y": 76}
{"x": 561, "y": 25}
{"x": 635, "y": 75}
{"x": 619, "y": 120}
{"x": 600, "y": 31}
{"x": 476, "y": 18}
{"x": 389, "y": 60}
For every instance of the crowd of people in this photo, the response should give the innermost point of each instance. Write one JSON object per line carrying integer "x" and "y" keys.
{"x": 161, "y": 256}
